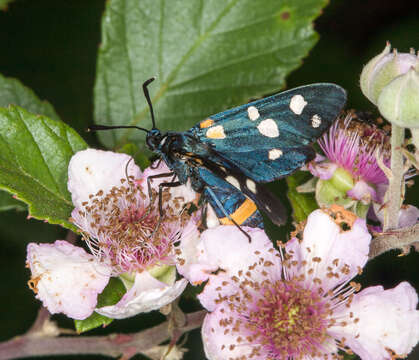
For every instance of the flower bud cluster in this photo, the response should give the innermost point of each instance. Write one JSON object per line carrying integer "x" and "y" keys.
{"x": 391, "y": 81}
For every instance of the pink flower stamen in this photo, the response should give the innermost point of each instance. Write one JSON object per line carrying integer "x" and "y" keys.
{"x": 354, "y": 146}
{"x": 284, "y": 318}
{"x": 125, "y": 230}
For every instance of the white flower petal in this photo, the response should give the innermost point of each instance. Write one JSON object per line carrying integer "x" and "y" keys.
{"x": 388, "y": 319}
{"x": 218, "y": 286}
{"x": 233, "y": 259}
{"x": 211, "y": 219}
{"x": 229, "y": 249}
{"x": 219, "y": 344}
{"x": 408, "y": 215}
{"x": 146, "y": 294}
{"x": 188, "y": 261}
{"x": 92, "y": 170}
{"x": 362, "y": 191}
{"x": 323, "y": 170}
{"x": 66, "y": 278}
{"x": 323, "y": 239}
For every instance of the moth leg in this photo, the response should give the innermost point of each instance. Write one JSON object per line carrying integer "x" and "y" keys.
{"x": 126, "y": 170}
{"x": 161, "y": 186}
{"x": 150, "y": 192}
{"x": 221, "y": 207}
{"x": 157, "y": 165}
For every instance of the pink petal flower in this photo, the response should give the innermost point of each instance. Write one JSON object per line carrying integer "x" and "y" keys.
{"x": 322, "y": 170}
{"x": 207, "y": 257}
{"x": 90, "y": 171}
{"x": 329, "y": 250}
{"x": 353, "y": 146}
{"x": 378, "y": 320}
{"x": 188, "y": 261}
{"x": 117, "y": 219}
{"x": 65, "y": 278}
{"x": 145, "y": 295}
{"x": 408, "y": 215}
{"x": 215, "y": 340}
{"x": 304, "y": 309}
{"x": 121, "y": 227}
{"x": 362, "y": 191}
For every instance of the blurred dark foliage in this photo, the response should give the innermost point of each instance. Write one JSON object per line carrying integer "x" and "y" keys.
{"x": 51, "y": 47}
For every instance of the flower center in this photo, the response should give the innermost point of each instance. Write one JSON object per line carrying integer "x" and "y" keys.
{"x": 289, "y": 320}
{"x": 354, "y": 146}
{"x": 123, "y": 228}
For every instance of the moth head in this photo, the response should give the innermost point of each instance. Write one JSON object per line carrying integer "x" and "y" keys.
{"x": 153, "y": 139}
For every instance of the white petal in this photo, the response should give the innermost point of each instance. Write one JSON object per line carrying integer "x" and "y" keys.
{"x": 388, "y": 319}
{"x": 408, "y": 214}
{"x": 212, "y": 219}
{"x": 217, "y": 342}
{"x": 67, "y": 279}
{"x": 362, "y": 191}
{"x": 323, "y": 170}
{"x": 218, "y": 286}
{"x": 229, "y": 249}
{"x": 92, "y": 170}
{"x": 189, "y": 261}
{"x": 234, "y": 258}
{"x": 325, "y": 240}
{"x": 146, "y": 294}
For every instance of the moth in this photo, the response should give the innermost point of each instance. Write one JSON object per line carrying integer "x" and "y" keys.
{"x": 229, "y": 156}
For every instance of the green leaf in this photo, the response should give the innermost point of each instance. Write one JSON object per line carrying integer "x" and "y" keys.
{"x": 34, "y": 156}
{"x": 302, "y": 203}
{"x": 4, "y": 4}
{"x": 7, "y": 202}
{"x": 112, "y": 293}
{"x": 14, "y": 92}
{"x": 139, "y": 157}
{"x": 206, "y": 55}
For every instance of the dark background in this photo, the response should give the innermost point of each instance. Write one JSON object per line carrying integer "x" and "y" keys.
{"x": 51, "y": 47}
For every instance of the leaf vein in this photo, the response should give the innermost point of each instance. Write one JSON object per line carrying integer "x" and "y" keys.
{"x": 229, "y": 64}
{"x": 172, "y": 75}
{"x": 126, "y": 50}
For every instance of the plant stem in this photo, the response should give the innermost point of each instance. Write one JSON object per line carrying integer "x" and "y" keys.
{"x": 113, "y": 345}
{"x": 394, "y": 192}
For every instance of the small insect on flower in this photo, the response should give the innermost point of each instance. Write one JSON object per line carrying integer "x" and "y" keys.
{"x": 229, "y": 155}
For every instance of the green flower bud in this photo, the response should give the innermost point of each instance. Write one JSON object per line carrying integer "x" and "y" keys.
{"x": 399, "y": 100}
{"x": 383, "y": 68}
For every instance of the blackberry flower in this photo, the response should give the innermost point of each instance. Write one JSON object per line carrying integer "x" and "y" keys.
{"x": 126, "y": 237}
{"x": 300, "y": 302}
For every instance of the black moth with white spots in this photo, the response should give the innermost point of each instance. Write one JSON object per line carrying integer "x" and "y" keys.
{"x": 228, "y": 156}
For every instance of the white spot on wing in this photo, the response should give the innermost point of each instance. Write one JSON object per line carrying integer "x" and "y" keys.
{"x": 233, "y": 181}
{"x": 316, "y": 120}
{"x": 297, "y": 104}
{"x": 216, "y": 132}
{"x": 274, "y": 154}
{"x": 251, "y": 185}
{"x": 268, "y": 128}
{"x": 253, "y": 113}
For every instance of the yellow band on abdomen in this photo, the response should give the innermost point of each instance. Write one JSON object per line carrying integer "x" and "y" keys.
{"x": 243, "y": 212}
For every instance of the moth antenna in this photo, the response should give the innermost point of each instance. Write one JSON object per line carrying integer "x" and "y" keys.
{"x": 147, "y": 96}
{"x": 106, "y": 127}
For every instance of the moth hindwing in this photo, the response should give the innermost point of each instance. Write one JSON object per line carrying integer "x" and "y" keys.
{"x": 228, "y": 156}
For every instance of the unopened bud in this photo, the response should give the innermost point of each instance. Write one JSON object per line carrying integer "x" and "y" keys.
{"x": 399, "y": 100}
{"x": 383, "y": 68}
